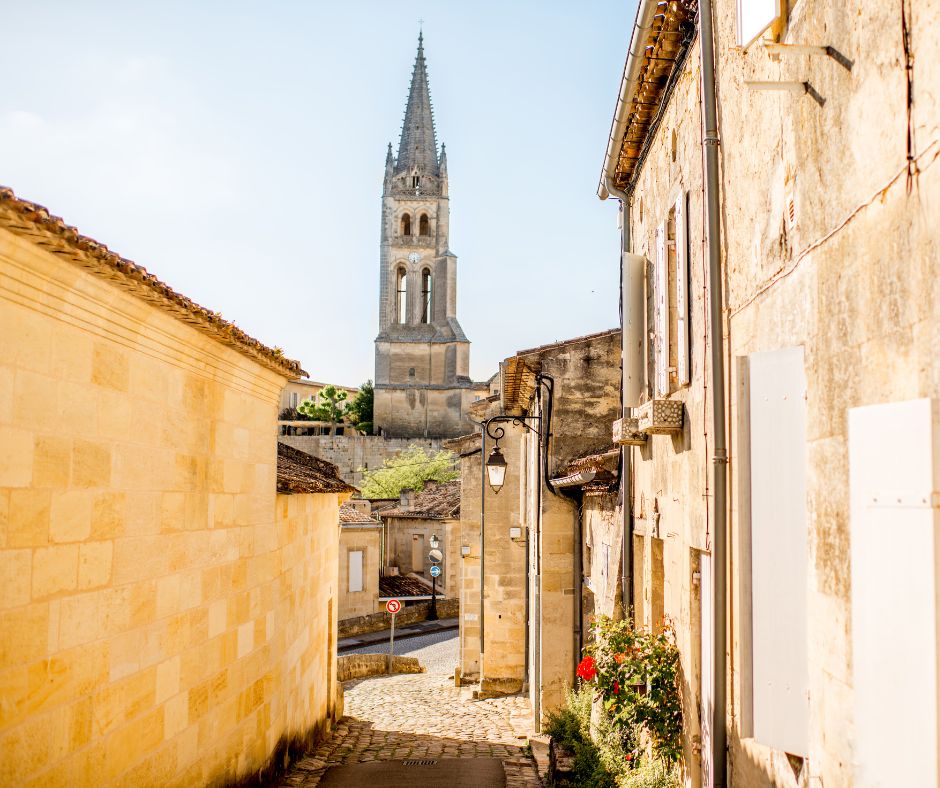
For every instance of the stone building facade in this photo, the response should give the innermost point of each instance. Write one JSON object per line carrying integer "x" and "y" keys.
{"x": 410, "y": 526}
{"x": 168, "y": 582}
{"x": 829, "y": 132}
{"x": 360, "y": 559}
{"x": 527, "y": 617}
{"x": 422, "y": 356}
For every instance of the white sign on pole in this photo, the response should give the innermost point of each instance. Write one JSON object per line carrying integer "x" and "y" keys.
{"x": 754, "y": 17}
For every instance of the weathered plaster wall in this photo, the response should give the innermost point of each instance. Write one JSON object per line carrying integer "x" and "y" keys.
{"x": 670, "y": 501}
{"x": 351, "y": 453}
{"x": 853, "y": 278}
{"x": 369, "y": 540}
{"x": 159, "y": 624}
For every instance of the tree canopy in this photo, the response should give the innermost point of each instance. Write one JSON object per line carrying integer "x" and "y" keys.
{"x": 409, "y": 470}
{"x": 328, "y": 406}
{"x": 359, "y": 411}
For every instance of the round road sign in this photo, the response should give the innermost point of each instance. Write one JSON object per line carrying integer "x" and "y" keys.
{"x": 393, "y": 606}
{"x": 435, "y": 556}
{"x": 435, "y": 571}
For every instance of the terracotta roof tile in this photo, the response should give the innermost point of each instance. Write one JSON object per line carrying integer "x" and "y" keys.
{"x": 400, "y": 586}
{"x": 437, "y": 501}
{"x": 35, "y": 223}
{"x": 299, "y": 472}
{"x": 350, "y": 514}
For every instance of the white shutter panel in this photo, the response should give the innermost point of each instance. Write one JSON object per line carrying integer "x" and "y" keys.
{"x": 682, "y": 294}
{"x": 660, "y": 295}
{"x": 355, "y": 571}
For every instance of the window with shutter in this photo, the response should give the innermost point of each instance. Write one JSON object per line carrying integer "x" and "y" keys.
{"x": 355, "y": 571}
{"x": 683, "y": 373}
{"x": 661, "y": 316}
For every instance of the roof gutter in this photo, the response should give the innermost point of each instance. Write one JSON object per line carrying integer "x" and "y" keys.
{"x": 631, "y": 70}
{"x": 573, "y": 480}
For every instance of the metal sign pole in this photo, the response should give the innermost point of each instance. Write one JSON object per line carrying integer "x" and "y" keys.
{"x": 391, "y": 645}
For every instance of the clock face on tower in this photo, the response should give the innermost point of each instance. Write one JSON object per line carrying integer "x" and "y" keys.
{"x": 414, "y": 258}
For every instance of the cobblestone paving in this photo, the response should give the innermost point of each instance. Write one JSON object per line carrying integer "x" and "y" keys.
{"x": 424, "y": 716}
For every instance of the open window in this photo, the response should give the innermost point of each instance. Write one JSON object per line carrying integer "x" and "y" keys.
{"x": 424, "y": 225}
{"x": 406, "y": 224}
{"x": 426, "y": 296}
{"x": 402, "y": 296}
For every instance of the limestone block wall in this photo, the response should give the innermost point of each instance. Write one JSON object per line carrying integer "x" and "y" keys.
{"x": 159, "y": 625}
{"x": 437, "y": 411}
{"x": 350, "y": 453}
{"x": 470, "y": 467}
{"x": 368, "y": 540}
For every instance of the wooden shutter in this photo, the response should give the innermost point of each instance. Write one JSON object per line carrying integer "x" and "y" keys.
{"x": 682, "y": 291}
{"x": 661, "y": 320}
{"x": 780, "y": 550}
{"x": 355, "y": 571}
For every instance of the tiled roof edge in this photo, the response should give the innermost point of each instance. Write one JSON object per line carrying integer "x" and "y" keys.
{"x": 37, "y": 224}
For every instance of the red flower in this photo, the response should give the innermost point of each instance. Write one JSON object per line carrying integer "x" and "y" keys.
{"x": 616, "y": 687}
{"x": 587, "y": 669}
{"x": 628, "y": 757}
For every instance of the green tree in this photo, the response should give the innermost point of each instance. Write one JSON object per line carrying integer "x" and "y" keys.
{"x": 409, "y": 471}
{"x": 359, "y": 411}
{"x": 328, "y": 406}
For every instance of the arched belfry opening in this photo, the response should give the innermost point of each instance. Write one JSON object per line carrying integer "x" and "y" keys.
{"x": 406, "y": 224}
{"x": 424, "y": 225}
{"x": 426, "y": 296}
{"x": 401, "y": 301}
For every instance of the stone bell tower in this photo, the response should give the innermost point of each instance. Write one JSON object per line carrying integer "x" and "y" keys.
{"x": 422, "y": 356}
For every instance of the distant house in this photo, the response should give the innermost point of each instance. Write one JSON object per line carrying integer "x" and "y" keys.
{"x": 292, "y": 422}
{"x": 414, "y": 522}
{"x": 360, "y": 558}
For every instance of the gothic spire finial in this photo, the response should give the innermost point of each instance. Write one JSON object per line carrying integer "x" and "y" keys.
{"x": 418, "y": 145}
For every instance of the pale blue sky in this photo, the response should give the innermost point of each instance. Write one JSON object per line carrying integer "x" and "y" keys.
{"x": 236, "y": 150}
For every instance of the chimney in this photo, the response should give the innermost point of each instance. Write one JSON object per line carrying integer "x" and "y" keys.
{"x": 406, "y": 500}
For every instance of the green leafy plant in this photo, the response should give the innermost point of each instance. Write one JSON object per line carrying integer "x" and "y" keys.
{"x": 409, "y": 470}
{"x": 359, "y": 410}
{"x": 636, "y": 674}
{"x": 570, "y": 726}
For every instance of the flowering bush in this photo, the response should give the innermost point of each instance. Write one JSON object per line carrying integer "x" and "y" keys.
{"x": 636, "y": 673}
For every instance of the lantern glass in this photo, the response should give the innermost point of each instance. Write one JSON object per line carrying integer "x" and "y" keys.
{"x": 496, "y": 469}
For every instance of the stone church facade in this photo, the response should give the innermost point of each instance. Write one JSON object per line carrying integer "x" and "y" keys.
{"x": 422, "y": 356}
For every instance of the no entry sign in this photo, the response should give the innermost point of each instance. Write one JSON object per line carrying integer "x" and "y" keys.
{"x": 393, "y": 606}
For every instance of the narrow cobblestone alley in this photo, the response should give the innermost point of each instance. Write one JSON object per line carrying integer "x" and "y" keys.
{"x": 424, "y": 717}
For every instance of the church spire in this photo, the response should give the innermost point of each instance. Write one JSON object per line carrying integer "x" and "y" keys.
{"x": 418, "y": 145}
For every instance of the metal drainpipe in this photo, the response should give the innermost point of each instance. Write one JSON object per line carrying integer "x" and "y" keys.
{"x": 482, "y": 540}
{"x": 626, "y": 452}
{"x": 537, "y": 549}
{"x": 710, "y": 142}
